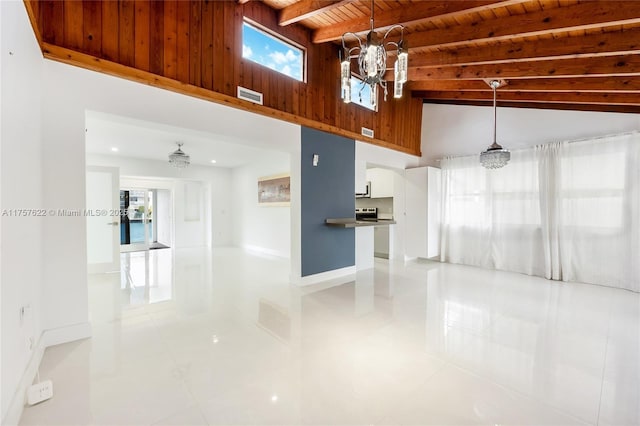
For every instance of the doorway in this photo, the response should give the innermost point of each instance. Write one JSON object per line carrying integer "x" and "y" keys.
{"x": 144, "y": 219}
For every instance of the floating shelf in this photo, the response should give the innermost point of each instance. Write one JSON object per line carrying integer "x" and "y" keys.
{"x": 349, "y": 222}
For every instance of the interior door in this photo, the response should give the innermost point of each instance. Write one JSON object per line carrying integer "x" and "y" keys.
{"x": 103, "y": 220}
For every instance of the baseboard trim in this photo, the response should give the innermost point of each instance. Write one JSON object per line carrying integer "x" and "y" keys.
{"x": 336, "y": 276}
{"x": 17, "y": 403}
{"x": 66, "y": 334}
{"x": 47, "y": 338}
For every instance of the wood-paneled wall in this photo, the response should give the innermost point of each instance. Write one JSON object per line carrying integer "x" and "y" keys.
{"x": 195, "y": 47}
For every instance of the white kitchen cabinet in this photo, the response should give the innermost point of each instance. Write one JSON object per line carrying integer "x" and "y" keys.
{"x": 422, "y": 212}
{"x": 360, "y": 177}
{"x": 381, "y": 182}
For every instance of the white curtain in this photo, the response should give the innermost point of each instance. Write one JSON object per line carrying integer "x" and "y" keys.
{"x": 491, "y": 218}
{"x": 565, "y": 211}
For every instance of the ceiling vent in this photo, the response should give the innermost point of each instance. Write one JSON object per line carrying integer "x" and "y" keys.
{"x": 367, "y": 132}
{"x": 249, "y": 95}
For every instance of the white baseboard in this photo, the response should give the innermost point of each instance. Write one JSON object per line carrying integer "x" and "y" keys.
{"x": 14, "y": 412}
{"x": 336, "y": 276}
{"x": 69, "y": 333}
{"x": 47, "y": 338}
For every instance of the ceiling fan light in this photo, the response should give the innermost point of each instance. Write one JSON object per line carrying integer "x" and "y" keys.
{"x": 178, "y": 158}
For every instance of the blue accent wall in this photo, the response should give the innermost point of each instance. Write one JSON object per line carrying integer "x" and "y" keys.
{"x": 327, "y": 192}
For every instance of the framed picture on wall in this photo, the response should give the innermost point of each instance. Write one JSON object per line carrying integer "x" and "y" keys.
{"x": 274, "y": 190}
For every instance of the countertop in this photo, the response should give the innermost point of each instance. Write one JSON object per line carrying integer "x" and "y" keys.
{"x": 349, "y": 222}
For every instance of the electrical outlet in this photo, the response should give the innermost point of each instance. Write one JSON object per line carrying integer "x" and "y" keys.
{"x": 39, "y": 392}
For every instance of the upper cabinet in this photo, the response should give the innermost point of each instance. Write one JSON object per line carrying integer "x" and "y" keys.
{"x": 381, "y": 182}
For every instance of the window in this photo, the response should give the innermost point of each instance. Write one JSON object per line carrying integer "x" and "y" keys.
{"x": 361, "y": 93}
{"x": 584, "y": 191}
{"x": 272, "y": 51}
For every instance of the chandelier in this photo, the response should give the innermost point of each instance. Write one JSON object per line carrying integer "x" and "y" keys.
{"x": 371, "y": 54}
{"x": 495, "y": 156}
{"x": 178, "y": 158}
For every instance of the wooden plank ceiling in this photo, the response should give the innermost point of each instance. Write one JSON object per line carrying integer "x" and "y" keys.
{"x": 564, "y": 54}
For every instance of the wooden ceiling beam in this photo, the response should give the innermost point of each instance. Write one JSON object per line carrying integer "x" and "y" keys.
{"x": 305, "y": 9}
{"x": 580, "y": 67}
{"x": 601, "y": 44}
{"x": 588, "y": 84}
{"x": 408, "y": 15}
{"x": 535, "y": 97}
{"x": 590, "y": 14}
{"x": 630, "y": 109}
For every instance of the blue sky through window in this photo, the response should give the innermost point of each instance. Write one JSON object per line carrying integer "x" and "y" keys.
{"x": 266, "y": 50}
{"x": 356, "y": 85}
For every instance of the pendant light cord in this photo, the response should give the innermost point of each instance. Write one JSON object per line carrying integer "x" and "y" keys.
{"x": 372, "y": 15}
{"x": 495, "y": 115}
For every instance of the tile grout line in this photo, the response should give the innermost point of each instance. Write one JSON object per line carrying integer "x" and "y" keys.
{"x": 165, "y": 344}
{"x": 604, "y": 362}
{"x": 515, "y": 391}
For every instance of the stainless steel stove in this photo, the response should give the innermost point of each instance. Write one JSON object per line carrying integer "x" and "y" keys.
{"x": 367, "y": 213}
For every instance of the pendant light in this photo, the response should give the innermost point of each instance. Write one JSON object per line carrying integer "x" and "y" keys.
{"x": 495, "y": 156}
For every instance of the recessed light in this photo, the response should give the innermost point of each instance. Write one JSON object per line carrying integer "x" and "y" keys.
{"x": 213, "y": 161}
{"x": 274, "y": 398}
{"x": 114, "y": 149}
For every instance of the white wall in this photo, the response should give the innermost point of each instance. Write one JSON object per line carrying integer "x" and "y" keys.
{"x": 374, "y": 155}
{"x": 164, "y": 217}
{"x": 214, "y": 226}
{"x": 456, "y": 130}
{"x": 264, "y": 229}
{"x": 21, "y": 244}
{"x": 399, "y": 231}
{"x": 68, "y": 93}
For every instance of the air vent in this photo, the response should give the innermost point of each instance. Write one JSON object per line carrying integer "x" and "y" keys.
{"x": 367, "y": 132}
{"x": 249, "y": 95}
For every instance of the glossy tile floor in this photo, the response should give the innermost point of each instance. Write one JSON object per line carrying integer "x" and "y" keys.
{"x": 189, "y": 338}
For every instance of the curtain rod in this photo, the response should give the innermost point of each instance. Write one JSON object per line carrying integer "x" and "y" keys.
{"x": 593, "y": 138}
